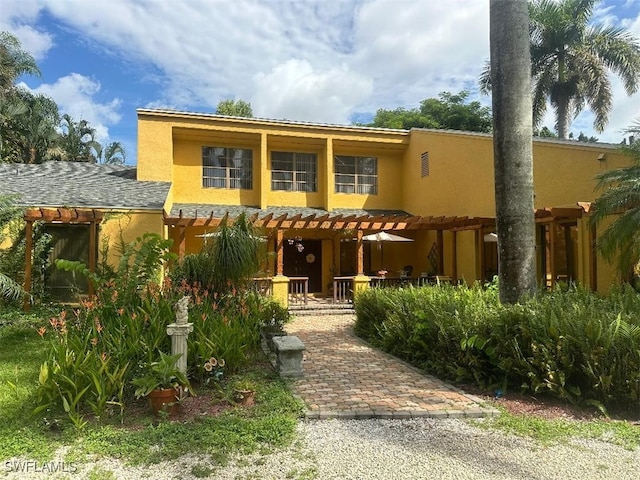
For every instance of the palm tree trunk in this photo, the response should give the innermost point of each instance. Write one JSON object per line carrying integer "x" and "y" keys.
{"x": 512, "y": 144}
{"x": 562, "y": 112}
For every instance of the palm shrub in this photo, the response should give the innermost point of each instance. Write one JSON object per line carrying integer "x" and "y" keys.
{"x": 620, "y": 201}
{"x": 227, "y": 261}
{"x": 10, "y": 290}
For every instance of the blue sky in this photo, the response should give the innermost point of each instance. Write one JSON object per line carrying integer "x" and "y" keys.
{"x": 333, "y": 61}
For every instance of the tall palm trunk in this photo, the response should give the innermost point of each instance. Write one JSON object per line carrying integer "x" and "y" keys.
{"x": 512, "y": 145}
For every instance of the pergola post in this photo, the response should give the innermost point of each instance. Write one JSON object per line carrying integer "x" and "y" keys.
{"x": 27, "y": 264}
{"x": 360, "y": 254}
{"x": 454, "y": 254}
{"x": 279, "y": 252}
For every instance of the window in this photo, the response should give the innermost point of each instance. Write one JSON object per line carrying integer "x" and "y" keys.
{"x": 356, "y": 174}
{"x": 227, "y": 168}
{"x": 424, "y": 164}
{"x": 294, "y": 172}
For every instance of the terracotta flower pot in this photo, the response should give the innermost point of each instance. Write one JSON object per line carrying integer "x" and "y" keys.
{"x": 164, "y": 400}
{"x": 244, "y": 397}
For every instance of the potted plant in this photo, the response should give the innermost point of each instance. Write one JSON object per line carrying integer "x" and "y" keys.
{"x": 163, "y": 384}
{"x": 244, "y": 392}
{"x": 275, "y": 317}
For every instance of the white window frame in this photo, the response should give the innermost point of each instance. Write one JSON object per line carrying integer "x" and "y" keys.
{"x": 353, "y": 179}
{"x": 300, "y": 176}
{"x": 227, "y": 167}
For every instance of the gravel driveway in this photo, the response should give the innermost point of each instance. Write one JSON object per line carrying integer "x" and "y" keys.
{"x": 391, "y": 449}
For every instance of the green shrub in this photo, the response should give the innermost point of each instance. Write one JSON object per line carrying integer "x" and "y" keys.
{"x": 98, "y": 348}
{"x": 572, "y": 344}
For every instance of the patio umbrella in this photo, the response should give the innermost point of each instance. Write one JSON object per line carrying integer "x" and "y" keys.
{"x": 384, "y": 237}
{"x": 216, "y": 234}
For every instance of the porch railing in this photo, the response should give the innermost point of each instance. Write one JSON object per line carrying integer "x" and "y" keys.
{"x": 342, "y": 289}
{"x": 262, "y": 285}
{"x": 298, "y": 289}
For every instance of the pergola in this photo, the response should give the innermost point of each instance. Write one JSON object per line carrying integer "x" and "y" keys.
{"x": 61, "y": 215}
{"x": 358, "y": 223}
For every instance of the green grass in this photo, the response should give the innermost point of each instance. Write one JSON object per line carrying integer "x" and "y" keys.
{"x": 268, "y": 425}
{"x": 548, "y": 432}
{"x": 21, "y": 353}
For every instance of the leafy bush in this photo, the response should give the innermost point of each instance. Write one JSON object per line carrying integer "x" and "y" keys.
{"x": 97, "y": 349}
{"x": 573, "y": 344}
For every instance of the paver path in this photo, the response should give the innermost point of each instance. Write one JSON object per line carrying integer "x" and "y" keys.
{"x": 345, "y": 378}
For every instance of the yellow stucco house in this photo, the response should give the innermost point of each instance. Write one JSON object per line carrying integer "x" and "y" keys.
{"x": 320, "y": 191}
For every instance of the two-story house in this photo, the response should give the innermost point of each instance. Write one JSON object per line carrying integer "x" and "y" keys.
{"x": 319, "y": 192}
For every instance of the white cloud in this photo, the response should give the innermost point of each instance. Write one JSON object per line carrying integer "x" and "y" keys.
{"x": 76, "y": 95}
{"x": 16, "y": 17}
{"x": 295, "y": 91}
{"x": 302, "y": 60}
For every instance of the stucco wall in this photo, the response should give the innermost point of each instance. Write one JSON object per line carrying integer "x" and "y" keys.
{"x": 126, "y": 226}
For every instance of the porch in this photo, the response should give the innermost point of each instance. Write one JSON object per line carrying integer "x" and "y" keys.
{"x": 314, "y": 253}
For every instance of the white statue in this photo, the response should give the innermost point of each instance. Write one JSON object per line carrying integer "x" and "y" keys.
{"x": 182, "y": 310}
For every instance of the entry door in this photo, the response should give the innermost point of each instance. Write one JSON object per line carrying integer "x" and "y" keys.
{"x": 304, "y": 259}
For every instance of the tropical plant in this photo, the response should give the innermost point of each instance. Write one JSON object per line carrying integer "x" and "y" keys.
{"x": 76, "y": 142}
{"x": 572, "y": 344}
{"x": 571, "y": 58}
{"x": 9, "y": 289}
{"x": 14, "y": 61}
{"x": 160, "y": 374}
{"x": 111, "y": 154}
{"x": 620, "y": 200}
{"x": 512, "y": 147}
{"x": 228, "y": 259}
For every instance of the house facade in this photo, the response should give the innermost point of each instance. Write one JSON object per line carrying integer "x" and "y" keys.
{"x": 320, "y": 193}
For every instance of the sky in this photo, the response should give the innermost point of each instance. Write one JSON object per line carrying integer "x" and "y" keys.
{"x": 329, "y": 61}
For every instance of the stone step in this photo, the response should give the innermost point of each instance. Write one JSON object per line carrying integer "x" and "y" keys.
{"x": 321, "y": 311}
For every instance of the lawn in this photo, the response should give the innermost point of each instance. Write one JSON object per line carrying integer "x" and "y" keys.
{"x": 140, "y": 438}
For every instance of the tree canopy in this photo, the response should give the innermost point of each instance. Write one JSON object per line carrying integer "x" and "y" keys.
{"x": 571, "y": 59}
{"x": 234, "y": 108}
{"x": 31, "y": 128}
{"x": 448, "y": 111}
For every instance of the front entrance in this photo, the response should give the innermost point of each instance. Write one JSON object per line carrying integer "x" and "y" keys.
{"x": 303, "y": 258}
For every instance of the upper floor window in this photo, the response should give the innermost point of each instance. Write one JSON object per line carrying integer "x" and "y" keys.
{"x": 294, "y": 172}
{"x": 224, "y": 167}
{"x": 356, "y": 174}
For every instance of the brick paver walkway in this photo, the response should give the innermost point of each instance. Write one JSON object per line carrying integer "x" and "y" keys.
{"x": 345, "y": 378}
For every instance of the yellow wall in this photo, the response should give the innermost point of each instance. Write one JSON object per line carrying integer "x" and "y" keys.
{"x": 460, "y": 180}
{"x": 461, "y": 174}
{"x": 126, "y": 226}
{"x": 155, "y": 149}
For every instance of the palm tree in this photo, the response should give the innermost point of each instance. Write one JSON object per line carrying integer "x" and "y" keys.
{"x": 620, "y": 200}
{"x": 36, "y": 127}
{"x": 76, "y": 141}
{"x": 112, "y": 154}
{"x": 512, "y": 145}
{"x": 14, "y": 61}
{"x": 571, "y": 60}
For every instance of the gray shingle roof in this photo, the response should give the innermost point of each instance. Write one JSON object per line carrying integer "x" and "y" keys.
{"x": 204, "y": 210}
{"x": 84, "y": 185}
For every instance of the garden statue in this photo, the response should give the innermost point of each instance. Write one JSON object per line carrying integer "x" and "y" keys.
{"x": 179, "y": 331}
{"x": 182, "y": 310}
